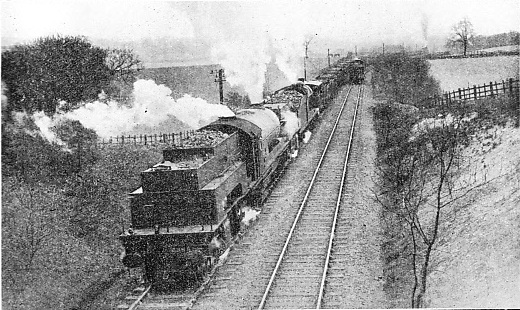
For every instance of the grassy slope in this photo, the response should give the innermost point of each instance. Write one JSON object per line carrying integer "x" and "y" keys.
{"x": 68, "y": 269}
{"x": 479, "y": 263}
{"x": 459, "y": 73}
{"x": 476, "y": 262}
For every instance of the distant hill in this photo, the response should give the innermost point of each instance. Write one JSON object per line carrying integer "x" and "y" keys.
{"x": 198, "y": 81}
{"x": 496, "y": 40}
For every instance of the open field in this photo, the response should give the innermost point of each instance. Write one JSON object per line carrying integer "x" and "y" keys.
{"x": 502, "y": 48}
{"x": 460, "y": 73}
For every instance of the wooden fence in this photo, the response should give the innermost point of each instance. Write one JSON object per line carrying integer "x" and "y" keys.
{"x": 508, "y": 87}
{"x": 161, "y": 138}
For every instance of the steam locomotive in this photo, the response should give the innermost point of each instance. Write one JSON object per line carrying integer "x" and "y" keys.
{"x": 189, "y": 207}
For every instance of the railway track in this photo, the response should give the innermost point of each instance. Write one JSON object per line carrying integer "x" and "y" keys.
{"x": 144, "y": 298}
{"x": 241, "y": 282}
{"x": 300, "y": 276}
{"x": 236, "y": 284}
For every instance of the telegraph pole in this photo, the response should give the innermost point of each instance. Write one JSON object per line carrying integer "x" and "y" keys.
{"x": 220, "y": 79}
{"x": 305, "y": 59}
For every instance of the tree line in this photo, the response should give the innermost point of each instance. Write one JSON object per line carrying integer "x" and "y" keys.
{"x": 51, "y": 71}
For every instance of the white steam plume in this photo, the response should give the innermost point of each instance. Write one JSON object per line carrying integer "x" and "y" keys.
{"x": 292, "y": 123}
{"x": 244, "y": 66}
{"x": 271, "y": 37}
{"x": 151, "y": 106}
{"x": 45, "y": 125}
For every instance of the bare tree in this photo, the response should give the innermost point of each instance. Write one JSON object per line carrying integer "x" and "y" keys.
{"x": 29, "y": 223}
{"x": 123, "y": 64}
{"x": 462, "y": 34}
{"x": 417, "y": 185}
{"x": 235, "y": 101}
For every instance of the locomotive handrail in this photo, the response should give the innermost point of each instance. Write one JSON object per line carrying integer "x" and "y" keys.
{"x": 338, "y": 202}
{"x": 282, "y": 254}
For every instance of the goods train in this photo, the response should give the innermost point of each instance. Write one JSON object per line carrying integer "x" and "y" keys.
{"x": 189, "y": 207}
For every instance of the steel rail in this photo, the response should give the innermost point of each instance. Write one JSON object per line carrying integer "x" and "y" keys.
{"x": 282, "y": 254}
{"x": 338, "y": 203}
{"x": 139, "y": 299}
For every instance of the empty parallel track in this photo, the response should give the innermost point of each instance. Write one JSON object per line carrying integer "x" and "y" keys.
{"x": 299, "y": 277}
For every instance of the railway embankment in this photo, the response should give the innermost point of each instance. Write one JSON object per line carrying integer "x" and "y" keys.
{"x": 447, "y": 183}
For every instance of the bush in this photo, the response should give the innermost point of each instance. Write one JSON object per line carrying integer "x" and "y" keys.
{"x": 39, "y": 75}
{"x": 74, "y": 221}
{"x": 402, "y": 78}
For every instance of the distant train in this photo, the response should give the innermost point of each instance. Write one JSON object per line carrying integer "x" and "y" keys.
{"x": 190, "y": 206}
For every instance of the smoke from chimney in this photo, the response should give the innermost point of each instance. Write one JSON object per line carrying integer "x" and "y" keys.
{"x": 424, "y": 28}
{"x": 152, "y": 105}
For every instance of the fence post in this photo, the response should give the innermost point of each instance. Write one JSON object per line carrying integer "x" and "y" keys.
{"x": 460, "y": 94}
{"x": 491, "y": 89}
{"x": 144, "y": 139}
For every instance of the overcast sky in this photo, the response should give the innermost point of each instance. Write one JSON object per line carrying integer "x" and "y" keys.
{"x": 382, "y": 20}
{"x": 247, "y": 37}
{"x": 208, "y": 31}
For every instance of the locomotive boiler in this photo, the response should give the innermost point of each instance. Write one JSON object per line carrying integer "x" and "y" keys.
{"x": 189, "y": 206}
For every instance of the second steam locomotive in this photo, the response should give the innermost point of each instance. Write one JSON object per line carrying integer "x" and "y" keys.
{"x": 189, "y": 207}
